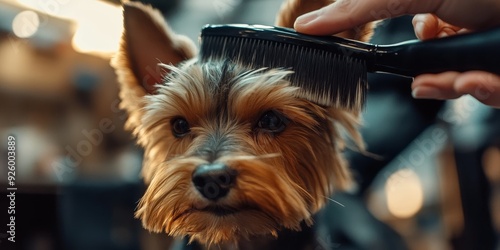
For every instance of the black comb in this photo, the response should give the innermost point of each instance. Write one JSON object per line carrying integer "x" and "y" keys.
{"x": 332, "y": 71}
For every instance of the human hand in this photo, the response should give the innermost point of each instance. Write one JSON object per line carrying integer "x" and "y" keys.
{"x": 466, "y": 16}
{"x": 345, "y": 14}
{"x": 483, "y": 86}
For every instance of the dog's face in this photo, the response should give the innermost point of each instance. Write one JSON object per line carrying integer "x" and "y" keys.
{"x": 230, "y": 151}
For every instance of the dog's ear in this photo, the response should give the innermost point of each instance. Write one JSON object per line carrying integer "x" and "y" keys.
{"x": 146, "y": 41}
{"x": 291, "y": 9}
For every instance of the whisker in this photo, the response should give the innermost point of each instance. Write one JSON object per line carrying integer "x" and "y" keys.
{"x": 251, "y": 157}
{"x": 267, "y": 156}
{"x": 330, "y": 199}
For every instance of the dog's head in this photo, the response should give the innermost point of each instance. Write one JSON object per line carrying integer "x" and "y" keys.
{"x": 230, "y": 151}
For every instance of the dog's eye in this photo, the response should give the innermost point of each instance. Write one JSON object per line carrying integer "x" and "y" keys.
{"x": 272, "y": 121}
{"x": 180, "y": 127}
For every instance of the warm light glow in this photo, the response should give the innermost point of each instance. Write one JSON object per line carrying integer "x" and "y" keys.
{"x": 99, "y": 30}
{"x": 404, "y": 193}
{"x": 25, "y": 24}
{"x": 98, "y": 24}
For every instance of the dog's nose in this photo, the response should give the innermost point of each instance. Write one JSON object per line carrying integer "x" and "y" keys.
{"x": 213, "y": 181}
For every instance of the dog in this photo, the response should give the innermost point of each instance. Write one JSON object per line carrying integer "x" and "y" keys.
{"x": 234, "y": 157}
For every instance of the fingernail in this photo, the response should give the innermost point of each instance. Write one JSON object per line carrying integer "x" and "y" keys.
{"x": 425, "y": 92}
{"x": 442, "y": 34}
{"x": 419, "y": 28}
{"x": 307, "y": 18}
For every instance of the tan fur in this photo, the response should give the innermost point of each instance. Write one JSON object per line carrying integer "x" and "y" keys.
{"x": 283, "y": 178}
{"x": 303, "y": 167}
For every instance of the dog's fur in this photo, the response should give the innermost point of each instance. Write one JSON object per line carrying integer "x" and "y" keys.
{"x": 283, "y": 176}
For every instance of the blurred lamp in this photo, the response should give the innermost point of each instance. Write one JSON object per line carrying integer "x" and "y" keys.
{"x": 25, "y": 24}
{"x": 404, "y": 193}
{"x": 98, "y": 23}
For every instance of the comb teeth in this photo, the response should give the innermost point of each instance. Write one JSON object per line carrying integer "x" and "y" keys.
{"x": 325, "y": 77}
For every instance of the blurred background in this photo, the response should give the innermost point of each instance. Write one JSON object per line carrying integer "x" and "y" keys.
{"x": 434, "y": 182}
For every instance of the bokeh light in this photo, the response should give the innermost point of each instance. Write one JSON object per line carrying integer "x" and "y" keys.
{"x": 25, "y": 24}
{"x": 98, "y": 24}
{"x": 404, "y": 193}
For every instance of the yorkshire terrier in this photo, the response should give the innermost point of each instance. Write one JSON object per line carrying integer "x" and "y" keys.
{"x": 234, "y": 156}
